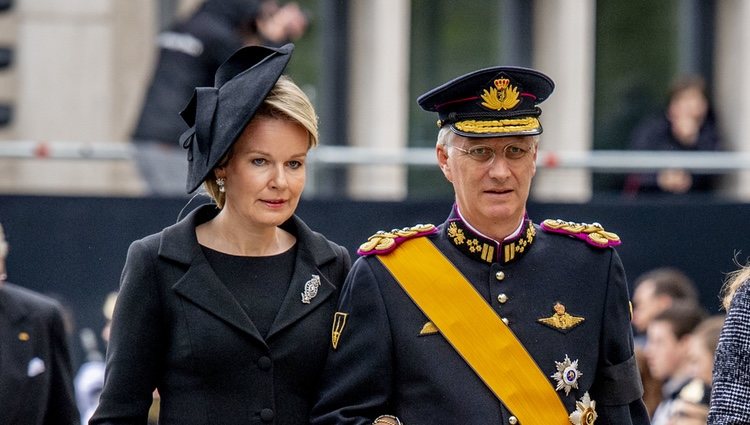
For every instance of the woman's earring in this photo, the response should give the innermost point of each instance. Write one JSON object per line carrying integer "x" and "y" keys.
{"x": 220, "y": 182}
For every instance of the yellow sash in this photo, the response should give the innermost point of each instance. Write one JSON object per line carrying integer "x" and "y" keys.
{"x": 468, "y": 322}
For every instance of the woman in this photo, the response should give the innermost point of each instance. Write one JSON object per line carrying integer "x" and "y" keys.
{"x": 228, "y": 312}
{"x": 730, "y": 400}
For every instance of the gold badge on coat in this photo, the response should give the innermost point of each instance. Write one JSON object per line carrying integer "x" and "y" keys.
{"x": 428, "y": 328}
{"x": 561, "y": 319}
{"x": 339, "y": 321}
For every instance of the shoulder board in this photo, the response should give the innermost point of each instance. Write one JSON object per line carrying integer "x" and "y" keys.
{"x": 593, "y": 234}
{"x": 384, "y": 242}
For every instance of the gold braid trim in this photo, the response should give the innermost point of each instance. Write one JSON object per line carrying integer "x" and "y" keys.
{"x": 498, "y": 126}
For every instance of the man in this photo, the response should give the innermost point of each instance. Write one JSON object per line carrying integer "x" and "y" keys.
{"x": 667, "y": 352}
{"x": 656, "y": 291}
{"x": 36, "y": 384}
{"x": 488, "y": 318}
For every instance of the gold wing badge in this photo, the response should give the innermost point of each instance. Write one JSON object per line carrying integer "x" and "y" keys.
{"x": 561, "y": 319}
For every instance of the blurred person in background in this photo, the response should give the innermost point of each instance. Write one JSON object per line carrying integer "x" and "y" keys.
{"x": 189, "y": 54}
{"x": 36, "y": 372}
{"x": 730, "y": 402}
{"x": 702, "y": 348}
{"x": 668, "y": 342}
{"x": 227, "y": 313}
{"x": 687, "y": 124}
{"x": 690, "y": 406}
{"x": 655, "y": 291}
{"x": 89, "y": 379}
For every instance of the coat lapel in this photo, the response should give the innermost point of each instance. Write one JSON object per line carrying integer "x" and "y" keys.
{"x": 313, "y": 251}
{"x": 203, "y": 288}
{"x": 199, "y": 284}
{"x": 292, "y": 308}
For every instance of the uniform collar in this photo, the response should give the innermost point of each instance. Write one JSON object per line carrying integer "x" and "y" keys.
{"x": 482, "y": 248}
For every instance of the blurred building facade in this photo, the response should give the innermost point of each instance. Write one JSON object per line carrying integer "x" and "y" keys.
{"x": 80, "y": 67}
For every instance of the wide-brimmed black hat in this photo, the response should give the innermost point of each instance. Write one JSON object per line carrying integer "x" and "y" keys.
{"x": 218, "y": 115}
{"x": 491, "y": 102}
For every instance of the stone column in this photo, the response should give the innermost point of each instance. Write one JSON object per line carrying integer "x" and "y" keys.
{"x": 566, "y": 53}
{"x": 732, "y": 86}
{"x": 378, "y": 94}
{"x": 79, "y": 72}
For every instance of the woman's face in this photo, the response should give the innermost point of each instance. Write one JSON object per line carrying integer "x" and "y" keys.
{"x": 265, "y": 175}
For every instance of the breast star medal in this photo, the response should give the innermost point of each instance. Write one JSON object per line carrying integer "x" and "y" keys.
{"x": 311, "y": 289}
{"x": 585, "y": 413}
{"x": 561, "y": 319}
{"x": 567, "y": 375}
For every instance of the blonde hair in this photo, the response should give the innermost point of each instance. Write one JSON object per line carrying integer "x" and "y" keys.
{"x": 286, "y": 101}
{"x": 733, "y": 282}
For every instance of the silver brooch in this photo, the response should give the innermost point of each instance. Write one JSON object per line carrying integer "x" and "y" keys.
{"x": 567, "y": 375}
{"x": 311, "y": 289}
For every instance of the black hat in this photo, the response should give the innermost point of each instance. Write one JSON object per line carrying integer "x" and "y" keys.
{"x": 491, "y": 102}
{"x": 218, "y": 115}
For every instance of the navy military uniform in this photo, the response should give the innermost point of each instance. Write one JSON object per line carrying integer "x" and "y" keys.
{"x": 385, "y": 363}
{"x": 559, "y": 287}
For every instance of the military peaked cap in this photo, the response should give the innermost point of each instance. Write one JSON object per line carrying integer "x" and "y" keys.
{"x": 491, "y": 102}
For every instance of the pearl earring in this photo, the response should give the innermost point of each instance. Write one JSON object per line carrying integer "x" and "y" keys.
{"x": 220, "y": 182}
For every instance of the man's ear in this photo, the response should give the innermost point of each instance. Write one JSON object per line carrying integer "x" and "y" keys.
{"x": 442, "y": 157}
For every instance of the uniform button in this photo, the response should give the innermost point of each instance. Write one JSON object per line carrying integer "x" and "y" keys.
{"x": 264, "y": 363}
{"x": 505, "y": 320}
{"x": 500, "y": 275}
{"x": 512, "y": 420}
{"x": 266, "y": 415}
{"x": 502, "y": 298}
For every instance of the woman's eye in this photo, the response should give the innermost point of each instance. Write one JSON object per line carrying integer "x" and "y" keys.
{"x": 259, "y": 161}
{"x": 295, "y": 164}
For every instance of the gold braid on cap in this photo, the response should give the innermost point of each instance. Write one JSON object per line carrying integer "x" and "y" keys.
{"x": 498, "y": 126}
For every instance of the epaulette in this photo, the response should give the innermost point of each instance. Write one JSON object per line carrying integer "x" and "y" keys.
{"x": 384, "y": 242}
{"x": 594, "y": 234}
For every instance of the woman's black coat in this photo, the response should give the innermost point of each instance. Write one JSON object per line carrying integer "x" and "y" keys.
{"x": 176, "y": 327}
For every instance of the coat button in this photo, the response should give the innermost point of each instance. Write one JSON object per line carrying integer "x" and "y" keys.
{"x": 512, "y": 420}
{"x": 266, "y": 415}
{"x": 264, "y": 363}
{"x": 505, "y": 320}
{"x": 502, "y": 298}
{"x": 500, "y": 275}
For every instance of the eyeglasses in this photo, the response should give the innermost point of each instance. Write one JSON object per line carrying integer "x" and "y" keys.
{"x": 486, "y": 154}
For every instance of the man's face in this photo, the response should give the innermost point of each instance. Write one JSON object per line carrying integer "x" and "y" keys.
{"x": 491, "y": 194}
{"x": 664, "y": 352}
{"x": 700, "y": 359}
{"x": 646, "y": 305}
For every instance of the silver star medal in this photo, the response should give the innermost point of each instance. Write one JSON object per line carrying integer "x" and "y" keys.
{"x": 585, "y": 413}
{"x": 567, "y": 375}
{"x": 311, "y": 289}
